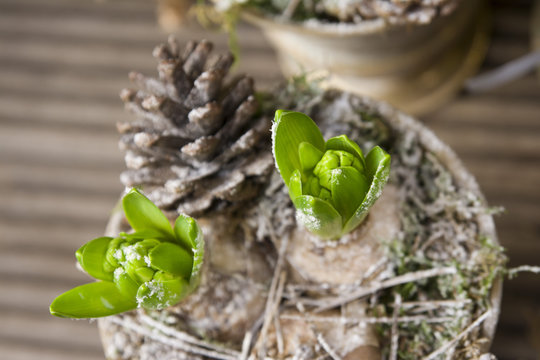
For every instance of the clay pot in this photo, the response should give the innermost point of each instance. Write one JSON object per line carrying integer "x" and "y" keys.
{"x": 414, "y": 67}
{"x": 231, "y": 300}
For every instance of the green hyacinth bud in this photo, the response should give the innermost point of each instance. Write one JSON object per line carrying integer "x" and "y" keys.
{"x": 154, "y": 267}
{"x": 319, "y": 182}
{"x": 139, "y": 262}
{"x": 330, "y": 182}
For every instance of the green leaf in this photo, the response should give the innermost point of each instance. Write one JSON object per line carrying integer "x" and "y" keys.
{"x": 91, "y": 301}
{"x": 143, "y": 215}
{"x": 358, "y": 217}
{"x": 376, "y": 159}
{"x": 290, "y": 129}
{"x": 318, "y": 216}
{"x": 189, "y": 234}
{"x": 142, "y": 234}
{"x": 309, "y": 156}
{"x": 144, "y": 274}
{"x": 186, "y": 231}
{"x": 125, "y": 283}
{"x": 159, "y": 294}
{"x": 78, "y": 254}
{"x": 378, "y": 163}
{"x": 348, "y": 188}
{"x": 91, "y": 256}
{"x": 173, "y": 259}
{"x": 198, "y": 256}
{"x": 343, "y": 143}
{"x": 295, "y": 185}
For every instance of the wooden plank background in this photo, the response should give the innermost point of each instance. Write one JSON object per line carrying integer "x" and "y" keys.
{"x": 62, "y": 64}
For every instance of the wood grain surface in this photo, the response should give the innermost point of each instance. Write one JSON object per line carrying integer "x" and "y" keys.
{"x": 62, "y": 64}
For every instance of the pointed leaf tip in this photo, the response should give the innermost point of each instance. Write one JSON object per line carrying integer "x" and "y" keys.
{"x": 342, "y": 142}
{"x": 143, "y": 215}
{"x": 376, "y": 160}
{"x": 289, "y": 131}
{"x": 190, "y": 236}
{"x": 186, "y": 231}
{"x": 172, "y": 259}
{"x": 91, "y": 300}
{"x": 92, "y": 257}
{"x": 349, "y": 188}
{"x": 378, "y": 169}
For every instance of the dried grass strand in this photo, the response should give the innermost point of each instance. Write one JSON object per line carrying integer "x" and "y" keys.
{"x": 274, "y": 296}
{"x": 324, "y": 344}
{"x": 395, "y": 329}
{"x": 460, "y": 336}
{"x": 330, "y": 303}
{"x": 182, "y": 336}
{"x": 367, "y": 320}
{"x": 174, "y": 343}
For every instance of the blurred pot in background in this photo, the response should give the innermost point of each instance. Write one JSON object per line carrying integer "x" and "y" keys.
{"x": 171, "y": 14}
{"x": 415, "y": 55}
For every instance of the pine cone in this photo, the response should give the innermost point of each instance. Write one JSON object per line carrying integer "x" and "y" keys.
{"x": 197, "y": 144}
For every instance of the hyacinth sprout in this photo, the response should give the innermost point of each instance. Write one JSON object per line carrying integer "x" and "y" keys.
{"x": 330, "y": 183}
{"x": 153, "y": 267}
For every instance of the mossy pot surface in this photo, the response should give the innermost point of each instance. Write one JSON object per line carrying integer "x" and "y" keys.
{"x": 415, "y": 67}
{"x": 258, "y": 298}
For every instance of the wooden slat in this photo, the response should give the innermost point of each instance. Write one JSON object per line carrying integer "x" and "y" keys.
{"x": 50, "y": 268}
{"x": 84, "y": 112}
{"x": 62, "y": 144}
{"x": 49, "y": 237}
{"x": 491, "y": 174}
{"x": 511, "y": 106}
{"x": 94, "y": 181}
{"x": 53, "y": 268}
{"x": 19, "y": 297}
{"x": 113, "y": 57}
{"x": 60, "y": 84}
{"x": 95, "y": 9}
{"x": 68, "y": 54}
{"x": 45, "y": 204}
{"x": 518, "y": 212}
{"x": 21, "y": 328}
{"x": 81, "y": 28}
{"x": 479, "y": 140}
{"x": 526, "y": 88}
{"x": 21, "y": 351}
{"x": 118, "y": 20}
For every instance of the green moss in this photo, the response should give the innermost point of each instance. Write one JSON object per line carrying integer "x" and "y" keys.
{"x": 434, "y": 217}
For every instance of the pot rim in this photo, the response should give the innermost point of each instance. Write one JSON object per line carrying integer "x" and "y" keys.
{"x": 316, "y": 27}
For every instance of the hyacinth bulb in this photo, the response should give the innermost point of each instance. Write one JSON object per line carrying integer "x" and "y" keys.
{"x": 331, "y": 183}
{"x": 154, "y": 267}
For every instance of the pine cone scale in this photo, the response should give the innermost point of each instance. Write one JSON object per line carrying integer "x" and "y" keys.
{"x": 242, "y": 115}
{"x": 205, "y": 120}
{"x": 195, "y": 61}
{"x": 148, "y": 85}
{"x": 206, "y": 88}
{"x": 237, "y": 94}
{"x": 149, "y": 176}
